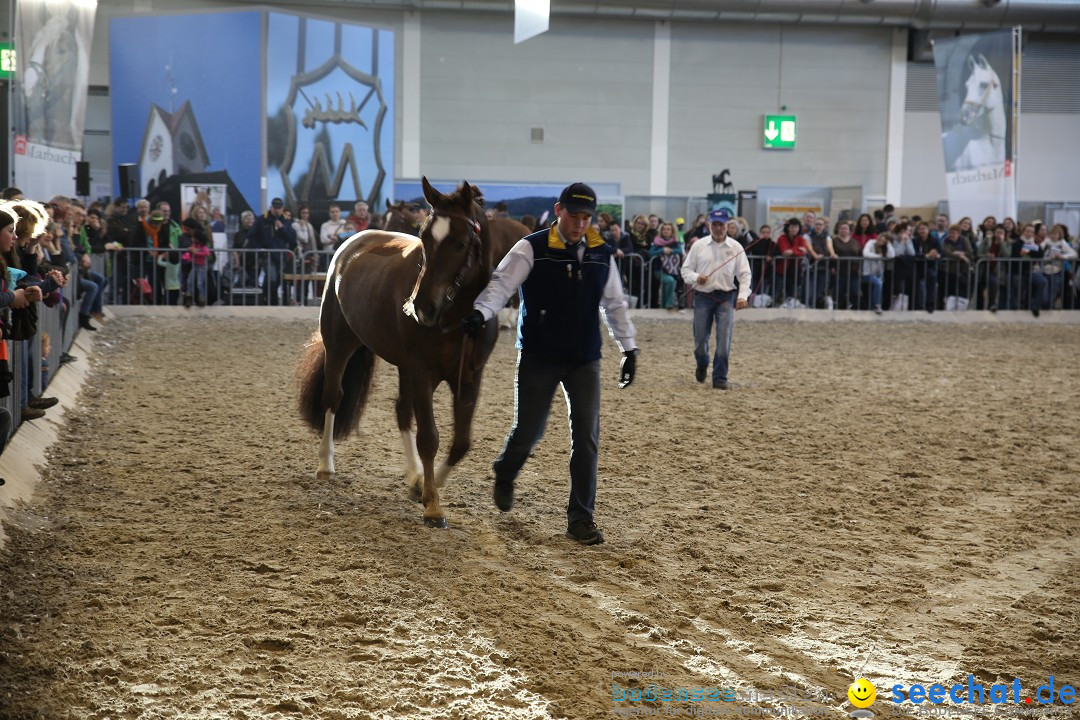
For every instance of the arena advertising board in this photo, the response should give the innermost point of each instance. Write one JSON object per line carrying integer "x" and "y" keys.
{"x": 978, "y": 86}
{"x": 52, "y": 68}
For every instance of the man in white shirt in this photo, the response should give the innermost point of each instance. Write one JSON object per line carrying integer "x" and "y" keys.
{"x": 719, "y": 273}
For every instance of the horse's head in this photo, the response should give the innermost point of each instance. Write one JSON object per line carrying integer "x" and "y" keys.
{"x": 983, "y": 89}
{"x": 400, "y": 218}
{"x": 457, "y": 256}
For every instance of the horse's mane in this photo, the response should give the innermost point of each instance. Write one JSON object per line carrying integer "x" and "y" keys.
{"x": 454, "y": 198}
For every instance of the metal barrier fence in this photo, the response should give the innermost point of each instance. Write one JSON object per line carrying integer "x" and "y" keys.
{"x": 31, "y": 370}
{"x": 272, "y": 277}
{"x": 148, "y": 276}
{"x": 913, "y": 283}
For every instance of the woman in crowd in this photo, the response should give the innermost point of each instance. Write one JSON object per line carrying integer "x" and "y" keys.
{"x": 986, "y": 230}
{"x": 876, "y": 252}
{"x": 864, "y": 230}
{"x": 821, "y": 244}
{"x": 926, "y": 275}
{"x": 1011, "y": 231}
{"x": 903, "y": 267}
{"x": 666, "y": 257}
{"x": 307, "y": 244}
{"x": 1032, "y": 281}
{"x": 639, "y": 235}
{"x": 792, "y": 247}
{"x": 847, "y": 248}
{"x": 1059, "y": 256}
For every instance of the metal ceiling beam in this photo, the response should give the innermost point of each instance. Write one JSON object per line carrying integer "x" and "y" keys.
{"x": 1060, "y": 16}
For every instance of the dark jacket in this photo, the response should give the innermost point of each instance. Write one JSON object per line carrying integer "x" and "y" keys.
{"x": 272, "y": 233}
{"x": 560, "y": 299}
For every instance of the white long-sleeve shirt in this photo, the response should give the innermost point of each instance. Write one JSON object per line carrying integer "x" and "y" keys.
{"x": 515, "y": 268}
{"x": 875, "y": 262}
{"x": 722, "y": 262}
{"x": 329, "y": 232}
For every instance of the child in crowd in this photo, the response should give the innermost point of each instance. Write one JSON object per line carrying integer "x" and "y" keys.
{"x": 199, "y": 257}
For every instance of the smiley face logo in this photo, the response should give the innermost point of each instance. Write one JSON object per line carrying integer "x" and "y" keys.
{"x": 862, "y": 693}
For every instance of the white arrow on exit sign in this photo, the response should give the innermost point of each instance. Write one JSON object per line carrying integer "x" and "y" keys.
{"x": 778, "y": 132}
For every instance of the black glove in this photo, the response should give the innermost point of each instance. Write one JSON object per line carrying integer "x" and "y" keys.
{"x": 473, "y": 323}
{"x": 628, "y": 368}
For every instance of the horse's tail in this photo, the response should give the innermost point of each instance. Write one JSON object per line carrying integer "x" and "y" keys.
{"x": 355, "y": 385}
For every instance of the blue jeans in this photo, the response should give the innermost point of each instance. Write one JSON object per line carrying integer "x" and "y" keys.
{"x": 718, "y": 306}
{"x": 875, "y": 282}
{"x": 91, "y": 289}
{"x": 534, "y": 387}
{"x": 197, "y": 282}
{"x": 1040, "y": 295}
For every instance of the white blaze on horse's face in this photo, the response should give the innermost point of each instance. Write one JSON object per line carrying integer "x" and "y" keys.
{"x": 440, "y": 228}
{"x": 980, "y": 88}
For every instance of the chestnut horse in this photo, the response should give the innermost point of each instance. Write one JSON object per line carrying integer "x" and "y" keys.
{"x": 395, "y": 219}
{"x": 402, "y": 299}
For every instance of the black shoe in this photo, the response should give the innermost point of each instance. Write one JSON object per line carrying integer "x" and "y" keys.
{"x": 585, "y": 532}
{"x": 84, "y": 323}
{"x": 29, "y": 413}
{"x": 42, "y": 403}
{"x": 993, "y": 308}
{"x": 699, "y": 374}
{"x": 1035, "y": 311}
{"x": 722, "y": 385}
{"x": 503, "y": 495}
{"x": 66, "y": 358}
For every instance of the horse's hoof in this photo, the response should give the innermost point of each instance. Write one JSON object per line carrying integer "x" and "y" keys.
{"x": 436, "y": 522}
{"x": 324, "y": 474}
{"x": 415, "y": 493}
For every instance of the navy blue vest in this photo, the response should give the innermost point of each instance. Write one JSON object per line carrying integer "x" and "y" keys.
{"x": 560, "y": 299}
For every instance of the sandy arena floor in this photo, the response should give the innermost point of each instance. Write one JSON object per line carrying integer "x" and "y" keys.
{"x": 901, "y": 499}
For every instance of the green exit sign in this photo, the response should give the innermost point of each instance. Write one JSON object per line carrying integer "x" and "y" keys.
{"x": 7, "y": 60}
{"x": 779, "y": 132}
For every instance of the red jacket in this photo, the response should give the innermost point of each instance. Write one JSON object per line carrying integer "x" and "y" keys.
{"x": 798, "y": 245}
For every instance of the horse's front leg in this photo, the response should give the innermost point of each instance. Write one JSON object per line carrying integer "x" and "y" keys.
{"x": 427, "y": 445}
{"x": 414, "y": 469}
{"x": 464, "y": 409}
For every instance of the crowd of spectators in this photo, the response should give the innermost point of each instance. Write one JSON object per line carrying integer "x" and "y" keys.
{"x": 41, "y": 253}
{"x": 877, "y": 262}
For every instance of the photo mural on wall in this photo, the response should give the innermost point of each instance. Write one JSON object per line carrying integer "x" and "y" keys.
{"x": 186, "y": 98}
{"x": 330, "y": 112}
{"x": 304, "y": 112}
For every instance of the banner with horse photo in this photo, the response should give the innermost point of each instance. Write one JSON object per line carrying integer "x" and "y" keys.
{"x": 978, "y": 85}
{"x": 53, "y": 39}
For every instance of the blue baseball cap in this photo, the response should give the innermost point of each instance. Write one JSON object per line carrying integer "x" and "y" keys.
{"x": 720, "y": 216}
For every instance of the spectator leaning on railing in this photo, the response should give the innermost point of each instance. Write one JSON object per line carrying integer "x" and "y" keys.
{"x": 29, "y": 221}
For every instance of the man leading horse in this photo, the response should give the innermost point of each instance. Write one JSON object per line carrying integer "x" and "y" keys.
{"x": 565, "y": 274}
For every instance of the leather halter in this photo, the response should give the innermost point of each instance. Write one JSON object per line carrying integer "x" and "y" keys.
{"x": 454, "y": 287}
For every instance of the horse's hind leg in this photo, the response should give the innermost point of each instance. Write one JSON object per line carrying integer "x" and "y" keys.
{"x": 414, "y": 470}
{"x": 338, "y": 354}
